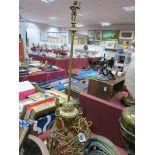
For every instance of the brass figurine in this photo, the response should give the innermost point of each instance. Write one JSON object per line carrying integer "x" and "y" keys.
{"x": 74, "y": 7}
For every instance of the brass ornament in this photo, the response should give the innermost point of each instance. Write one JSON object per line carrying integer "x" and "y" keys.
{"x": 59, "y": 124}
{"x": 64, "y": 136}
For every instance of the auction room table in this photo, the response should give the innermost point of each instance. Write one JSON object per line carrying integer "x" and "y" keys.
{"x": 43, "y": 76}
{"x": 104, "y": 115}
{"x": 62, "y": 63}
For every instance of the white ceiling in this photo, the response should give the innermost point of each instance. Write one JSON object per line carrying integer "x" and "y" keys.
{"x": 98, "y": 11}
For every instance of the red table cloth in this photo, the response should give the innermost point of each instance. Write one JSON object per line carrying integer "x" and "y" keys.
{"x": 62, "y": 63}
{"x": 104, "y": 116}
{"x": 93, "y": 59}
{"x": 76, "y": 63}
{"x": 51, "y": 61}
{"x": 80, "y": 62}
{"x": 43, "y": 76}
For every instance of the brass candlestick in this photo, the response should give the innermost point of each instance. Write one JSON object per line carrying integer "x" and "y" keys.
{"x": 74, "y": 7}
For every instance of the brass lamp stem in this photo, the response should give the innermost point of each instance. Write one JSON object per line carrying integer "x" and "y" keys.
{"x": 70, "y": 65}
{"x": 74, "y": 7}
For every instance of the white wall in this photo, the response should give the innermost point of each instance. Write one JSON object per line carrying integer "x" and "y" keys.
{"x": 37, "y": 32}
{"x": 33, "y": 33}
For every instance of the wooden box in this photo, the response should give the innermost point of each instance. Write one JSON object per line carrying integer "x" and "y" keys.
{"x": 106, "y": 89}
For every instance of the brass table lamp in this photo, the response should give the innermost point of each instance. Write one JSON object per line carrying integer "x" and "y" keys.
{"x": 69, "y": 123}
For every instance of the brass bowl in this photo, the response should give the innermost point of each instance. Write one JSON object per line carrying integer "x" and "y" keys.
{"x": 127, "y": 123}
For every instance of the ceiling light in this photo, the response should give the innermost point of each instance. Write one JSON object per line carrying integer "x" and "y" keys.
{"x": 33, "y": 20}
{"x": 47, "y": 1}
{"x": 82, "y": 14}
{"x": 106, "y": 24}
{"x": 53, "y": 18}
{"x": 79, "y": 25}
{"x": 129, "y": 8}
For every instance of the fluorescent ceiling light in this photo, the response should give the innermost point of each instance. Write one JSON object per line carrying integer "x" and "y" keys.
{"x": 47, "y": 1}
{"x": 82, "y": 14}
{"x": 129, "y": 8}
{"x": 33, "y": 20}
{"x": 106, "y": 24}
{"x": 53, "y": 18}
{"x": 79, "y": 25}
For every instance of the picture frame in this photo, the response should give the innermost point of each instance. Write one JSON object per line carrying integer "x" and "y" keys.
{"x": 110, "y": 44}
{"x": 98, "y": 35}
{"x": 91, "y": 40}
{"x": 110, "y": 34}
{"x": 126, "y": 35}
{"x": 91, "y": 33}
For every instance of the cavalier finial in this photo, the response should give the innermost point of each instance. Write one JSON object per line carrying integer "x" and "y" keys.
{"x": 74, "y": 7}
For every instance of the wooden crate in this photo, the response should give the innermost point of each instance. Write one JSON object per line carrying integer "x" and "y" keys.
{"x": 106, "y": 89}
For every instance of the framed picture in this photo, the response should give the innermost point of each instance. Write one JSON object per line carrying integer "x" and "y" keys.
{"x": 126, "y": 35}
{"x": 98, "y": 35}
{"x": 91, "y": 40}
{"x": 110, "y": 44}
{"x": 91, "y": 33}
{"x": 82, "y": 41}
{"x": 110, "y": 34}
